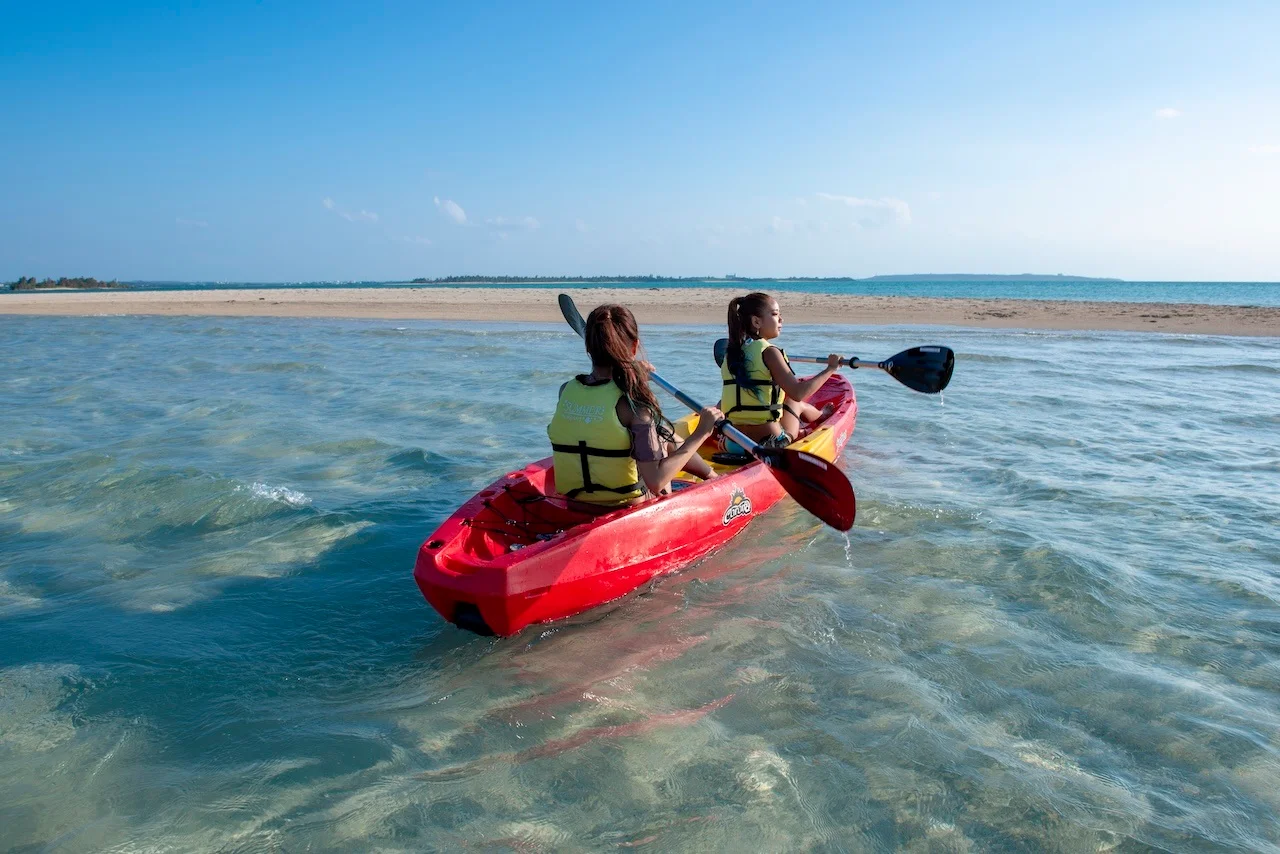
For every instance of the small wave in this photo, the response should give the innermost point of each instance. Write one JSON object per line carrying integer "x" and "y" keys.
{"x": 1208, "y": 342}
{"x": 393, "y": 332}
{"x": 345, "y": 447}
{"x": 1260, "y": 465}
{"x": 1237, "y": 368}
{"x": 11, "y": 597}
{"x": 277, "y": 554}
{"x": 1255, "y": 419}
{"x": 995, "y": 359}
{"x": 283, "y": 494}
{"x": 30, "y": 697}
{"x": 420, "y": 460}
{"x": 281, "y": 368}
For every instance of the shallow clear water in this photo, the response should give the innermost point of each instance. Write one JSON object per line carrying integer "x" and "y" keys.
{"x": 1055, "y": 626}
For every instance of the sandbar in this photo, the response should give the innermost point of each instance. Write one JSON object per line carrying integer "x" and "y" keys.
{"x": 652, "y": 305}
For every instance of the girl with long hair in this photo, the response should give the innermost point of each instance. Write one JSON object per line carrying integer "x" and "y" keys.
{"x": 611, "y": 442}
{"x": 762, "y": 397}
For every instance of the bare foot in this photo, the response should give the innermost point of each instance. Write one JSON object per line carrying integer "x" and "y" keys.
{"x": 824, "y": 412}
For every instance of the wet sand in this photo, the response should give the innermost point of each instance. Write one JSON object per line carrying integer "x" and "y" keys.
{"x": 665, "y": 305}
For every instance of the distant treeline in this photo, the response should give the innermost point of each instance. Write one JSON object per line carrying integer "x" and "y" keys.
{"x": 30, "y": 283}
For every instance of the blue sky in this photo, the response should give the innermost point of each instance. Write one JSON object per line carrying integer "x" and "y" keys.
{"x": 323, "y": 141}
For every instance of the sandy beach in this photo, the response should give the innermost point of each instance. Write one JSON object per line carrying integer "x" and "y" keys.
{"x": 665, "y": 305}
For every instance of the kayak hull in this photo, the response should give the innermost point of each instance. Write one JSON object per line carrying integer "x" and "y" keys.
{"x": 517, "y": 554}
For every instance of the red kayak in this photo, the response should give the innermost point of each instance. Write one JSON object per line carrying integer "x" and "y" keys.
{"x": 517, "y": 553}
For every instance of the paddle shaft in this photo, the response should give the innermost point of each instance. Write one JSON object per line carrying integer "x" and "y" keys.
{"x": 725, "y": 427}
{"x": 851, "y": 362}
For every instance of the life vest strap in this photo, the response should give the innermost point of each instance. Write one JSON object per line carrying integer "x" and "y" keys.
{"x": 583, "y": 450}
{"x": 591, "y": 452}
{"x": 774, "y": 408}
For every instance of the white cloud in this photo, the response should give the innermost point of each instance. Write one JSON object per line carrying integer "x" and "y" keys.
{"x": 1264, "y": 149}
{"x": 360, "y": 216}
{"x": 526, "y": 223}
{"x": 1168, "y": 113}
{"x": 452, "y": 210}
{"x": 191, "y": 223}
{"x": 782, "y": 226}
{"x": 874, "y": 212}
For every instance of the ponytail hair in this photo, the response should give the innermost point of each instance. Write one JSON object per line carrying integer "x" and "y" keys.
{"x": 741, "y": 310}
{"x": 611, "y": 335}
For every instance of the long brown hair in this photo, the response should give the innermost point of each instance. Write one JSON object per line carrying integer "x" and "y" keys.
{"x": 741, "y": 310}
{"x": 611, "y": 336}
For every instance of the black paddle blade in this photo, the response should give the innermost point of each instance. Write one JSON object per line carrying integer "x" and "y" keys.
{"x": 926, "y": 369}
{"x": 720, "y": 349}
{"x": 572, "y": 316}
{"x": 817, "y": 485}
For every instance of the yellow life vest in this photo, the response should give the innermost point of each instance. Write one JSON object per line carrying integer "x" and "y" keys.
{"x": 591, "y": 447}
{"x": 746, "y": 405}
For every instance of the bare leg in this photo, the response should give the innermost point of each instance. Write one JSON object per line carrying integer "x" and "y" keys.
{"x": 810, "y": 413}
{"x": 697, "y": 466}
{"x": 791, "y": 424}
{"x": 760, "y": 432}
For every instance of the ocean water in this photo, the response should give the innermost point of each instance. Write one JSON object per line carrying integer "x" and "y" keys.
{"x": 1056, "y": 625}
{"x": 1209, "y": 293}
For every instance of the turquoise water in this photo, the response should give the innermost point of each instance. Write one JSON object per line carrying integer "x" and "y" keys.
{"x": 1209, "y": 293}
{"x": 1056, "y": 625}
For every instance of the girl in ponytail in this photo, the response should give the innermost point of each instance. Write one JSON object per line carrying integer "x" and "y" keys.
{"x": 762, "y": 396}
{"x": 613, "y": 342}
{"x": 741, "y": 310}
{"x": 611, "y": 441}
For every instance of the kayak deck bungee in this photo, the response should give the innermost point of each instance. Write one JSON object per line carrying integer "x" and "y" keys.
{"x": 517, "y": 553}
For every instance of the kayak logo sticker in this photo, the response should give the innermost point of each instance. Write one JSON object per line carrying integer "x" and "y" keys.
{"x": 739, "y": 505}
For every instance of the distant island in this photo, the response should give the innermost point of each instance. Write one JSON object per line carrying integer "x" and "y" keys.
{"x": 982, "y": 277}
{"x": 908, "y": 277}
{"x": 30, "y": 283}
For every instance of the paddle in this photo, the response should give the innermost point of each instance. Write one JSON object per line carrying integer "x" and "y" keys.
{"x": 927, "y": 369}
{"x": 817, "y": 485}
